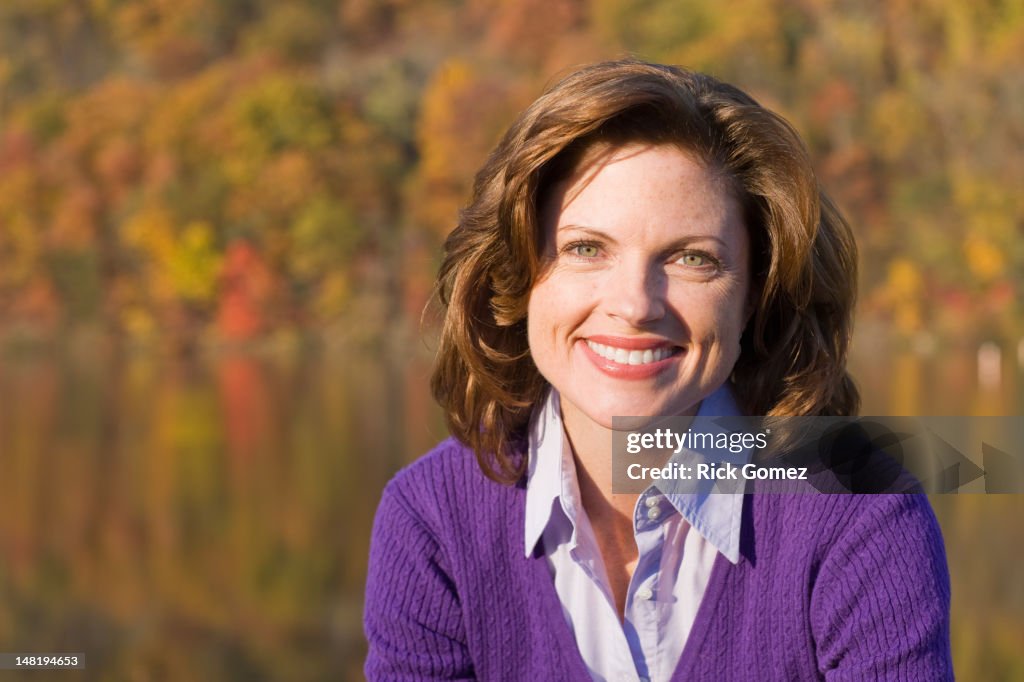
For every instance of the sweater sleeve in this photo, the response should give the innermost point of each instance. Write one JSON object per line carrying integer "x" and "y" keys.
{"x": 413, "y": 619}
{"x": 880, "y": 604}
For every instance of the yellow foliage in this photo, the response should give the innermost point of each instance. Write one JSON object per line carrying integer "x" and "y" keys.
{"x": 19, "y": 234}
{"x": 184, "y": 265}
{"x": 246, "y": 119}
{"x": 20, "y": 247}
{"x": 904, "y": 280}
{"x": 461, "y": 119}
{"x": 975, "y": 190}
{"x": 961, "y": 38}
{"x": 150, "y": 231}
{"x": 896, "y": 121}
{"x": 730, "y": 35}
{"x": 984, "y": 259}
{"x": 333, "y": 295}
{"x": 195, "y": 263}
{"x": 437, "y": 134}
{"x": 695, "y": 33}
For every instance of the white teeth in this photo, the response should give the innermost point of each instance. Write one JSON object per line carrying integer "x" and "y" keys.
{"x": 629, "y": 357}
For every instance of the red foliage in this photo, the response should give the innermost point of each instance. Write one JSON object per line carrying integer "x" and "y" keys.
{"x": 245, "y": 293}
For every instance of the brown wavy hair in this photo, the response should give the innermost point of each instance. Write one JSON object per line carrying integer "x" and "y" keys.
{"x": 804, "y": 258}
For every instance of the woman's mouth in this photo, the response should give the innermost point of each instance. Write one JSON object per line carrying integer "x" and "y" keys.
{"x": 630, "y": 358}
{"x": 623, "y": 356}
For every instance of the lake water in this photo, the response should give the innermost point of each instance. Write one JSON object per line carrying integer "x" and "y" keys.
{"x": 209, "y": 518}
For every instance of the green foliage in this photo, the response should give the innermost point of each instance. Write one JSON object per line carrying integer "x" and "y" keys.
{"x": 323, "y": 238}
{"x": 44, "y": 118}
{"x": 281, "y": 113}
{"x": 76, "y": 277}
{"x": 653, "y": 27}
{"x": 296, "y": 31}
{"x": 391, "y": 99}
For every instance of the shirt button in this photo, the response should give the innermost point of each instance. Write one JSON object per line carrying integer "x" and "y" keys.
{"x": 654, "y": 513}
{"x": 644, "y": 593}
{"x": 651, "y": 501}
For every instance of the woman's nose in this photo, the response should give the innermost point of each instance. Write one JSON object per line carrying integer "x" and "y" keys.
{"x": 635, "y": 293}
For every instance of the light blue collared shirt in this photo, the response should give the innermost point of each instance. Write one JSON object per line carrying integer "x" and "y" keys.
{"x": 673, "y": 565}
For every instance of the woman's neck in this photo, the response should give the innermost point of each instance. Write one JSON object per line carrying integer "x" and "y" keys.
{"x": 595, "y": 464}
{"x": 610, "y": 514}
{"x": 592, "y": 453}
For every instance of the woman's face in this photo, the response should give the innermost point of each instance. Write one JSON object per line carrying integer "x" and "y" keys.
{"x": 644, "y": 286}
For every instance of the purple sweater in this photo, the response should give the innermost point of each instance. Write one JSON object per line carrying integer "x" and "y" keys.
{"x": 835, "y": 587}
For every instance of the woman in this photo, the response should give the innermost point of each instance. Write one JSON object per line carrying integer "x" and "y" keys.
{"x": 643, "y": 241}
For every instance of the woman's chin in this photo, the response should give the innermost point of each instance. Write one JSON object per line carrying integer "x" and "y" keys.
{"x": 625, "y": 417}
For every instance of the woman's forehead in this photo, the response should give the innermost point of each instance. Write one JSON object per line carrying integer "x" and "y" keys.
{"x": 641, "y": 186}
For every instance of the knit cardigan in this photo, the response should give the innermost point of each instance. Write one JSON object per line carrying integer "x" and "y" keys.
{"x": 834, "y": 587}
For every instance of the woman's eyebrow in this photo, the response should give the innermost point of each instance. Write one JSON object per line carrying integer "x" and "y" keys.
{"x": 691, "y": 238}
{"x": 676, "y": 243}
{"x": 588, "y": 230}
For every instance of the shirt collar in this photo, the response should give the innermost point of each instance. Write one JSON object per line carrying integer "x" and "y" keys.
{"x": 544, "y": 477}
{"x": 715, "y": 516}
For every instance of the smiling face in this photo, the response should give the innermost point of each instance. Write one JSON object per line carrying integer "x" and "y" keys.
{"x": 644, "y": 286}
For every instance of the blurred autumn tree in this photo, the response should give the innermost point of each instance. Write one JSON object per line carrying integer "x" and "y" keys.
{"x": 225, "y": 169}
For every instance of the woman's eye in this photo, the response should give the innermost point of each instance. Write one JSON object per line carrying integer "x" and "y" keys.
{"x": 694, "y": 260}
{"x": 584, "y": 250}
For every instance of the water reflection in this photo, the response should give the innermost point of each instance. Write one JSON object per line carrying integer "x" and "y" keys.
{"x": 209, "y": 518}
{"x": 196, "y": 520}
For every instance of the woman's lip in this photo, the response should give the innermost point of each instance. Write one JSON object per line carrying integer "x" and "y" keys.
{"x": 631, "y": 342}
{"x": 623, "y": 371}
